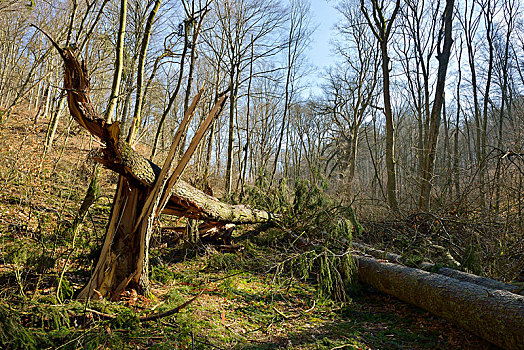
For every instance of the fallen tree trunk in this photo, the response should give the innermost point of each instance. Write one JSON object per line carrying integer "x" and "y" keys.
{"x": 494, "y": 315}
{"x": 185, "y": 199}
{"x": 446, "y": 271}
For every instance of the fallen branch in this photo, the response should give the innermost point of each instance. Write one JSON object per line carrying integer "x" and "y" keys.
{"x": 170, "y": 312}
{"x": 150, "y": 317}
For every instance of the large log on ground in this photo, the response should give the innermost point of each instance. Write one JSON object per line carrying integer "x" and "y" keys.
{"x": 494, "y": 315}
{"x": 446, "y": 271}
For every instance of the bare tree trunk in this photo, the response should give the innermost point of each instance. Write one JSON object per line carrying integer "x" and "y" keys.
{"x": 509, "y": 17}
{"x": 489, "y": 13}
{"x": 119, "y": 64}
{"x": 391, "y": 185}
{"x": 470, "y": 29}
{"x": 446, "y": 271}
{"x": 233, "y": 78}
{"x": 192, "y": 59}
{"x": 291, "y": 57}
{"x": 248, "y": 115}
{"x": 53, "y": 123}
{"x": 172, "y": 99}
{"x": 447, "y": 176}
{"x": 137, "y": 116}
{"x": 353, "y": 151}
{"x": 456, "y": 171}
{"x": 93, "y": 190}
{"x": 443, "y": 58}
{"x": 382, "y": 30}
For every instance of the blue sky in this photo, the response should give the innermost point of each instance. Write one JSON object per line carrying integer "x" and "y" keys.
{"x": 320, "y": 55}
{"x": 325, "y": 17}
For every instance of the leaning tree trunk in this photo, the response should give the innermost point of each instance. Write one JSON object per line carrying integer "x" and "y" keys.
{"x": 495, "y": 315}
{"x": 143, "y": 191}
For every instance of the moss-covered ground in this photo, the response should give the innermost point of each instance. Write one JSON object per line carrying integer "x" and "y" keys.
{"x": 246, "y": 300}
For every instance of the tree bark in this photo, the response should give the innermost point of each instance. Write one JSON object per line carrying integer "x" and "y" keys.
{"x": 446, "y": 271}
{"x": 495, "y": 315}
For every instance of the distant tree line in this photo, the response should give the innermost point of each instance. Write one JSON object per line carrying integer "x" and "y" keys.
{"x": 421, "y": 112}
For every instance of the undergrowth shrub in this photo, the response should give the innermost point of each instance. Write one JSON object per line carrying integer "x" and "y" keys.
{"x": 44, "y": 323}
{"x": 466, "y": 242}
{"x": 66, "y": 290}
{"x": 162, "y": 273}
{"x": 316, "y": 230}
{"x": 224, "y": 261}
{"x": 13, "y": 335}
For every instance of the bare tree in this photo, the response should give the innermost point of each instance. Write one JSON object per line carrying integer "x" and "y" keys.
{"x": 509, "y": 10}
{"x": 238, "y": 21}
{"x": 443, "y": 55}
{"x": 137, "y": 116}
{"x": 298, "y": 37}
{"x": 119, "y": 63}
{"x": 381, "y": 28}
{"x": 351, "y": 87}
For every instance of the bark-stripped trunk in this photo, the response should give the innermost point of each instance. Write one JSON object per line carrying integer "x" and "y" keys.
{"x": 495, "y": 315}
{"x": 118, "y": 266}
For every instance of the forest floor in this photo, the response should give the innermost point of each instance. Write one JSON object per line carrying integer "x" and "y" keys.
{"x": 242, "y": 303}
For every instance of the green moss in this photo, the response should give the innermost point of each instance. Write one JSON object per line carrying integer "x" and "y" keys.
{"x": 225, "y": 261}
{"x": 162, "y": 274}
